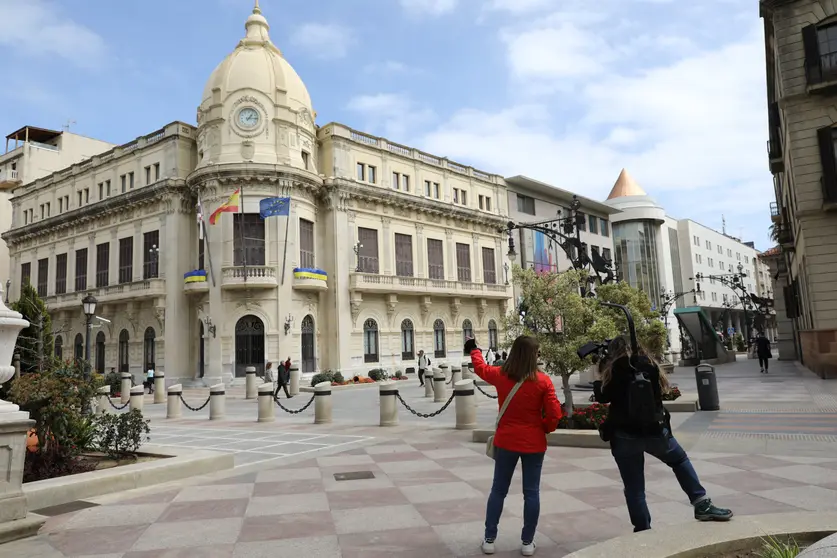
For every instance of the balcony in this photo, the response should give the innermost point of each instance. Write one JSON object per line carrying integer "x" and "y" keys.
{"x": 9, "y": 178}
{"x": 146, "y": 289}
{"x": 775, "y": 156}
{"x": 417, "y": 286}
{"x": 310, "y": 279}
{"x": 250, "y": 277}
{"x": 775, "y": 214}
{"x": 195, "y": 282}
{"x": 784, "y": 234}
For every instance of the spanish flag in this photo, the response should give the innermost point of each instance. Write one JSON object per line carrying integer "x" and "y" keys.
{"x": 230, "y": 207}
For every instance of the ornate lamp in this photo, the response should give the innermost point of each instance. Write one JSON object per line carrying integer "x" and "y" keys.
{"x": 11, "y": 324}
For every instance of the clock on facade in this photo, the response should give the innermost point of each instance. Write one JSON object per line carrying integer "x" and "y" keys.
{"x": 248, "y": 118}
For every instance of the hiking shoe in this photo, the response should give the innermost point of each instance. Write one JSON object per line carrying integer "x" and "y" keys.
{"x": 707, "y": 511}
{"x": 488, "y": 546}
{"x": 528, "y": 549}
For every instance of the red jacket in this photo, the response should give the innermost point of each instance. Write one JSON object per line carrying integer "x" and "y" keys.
{"x": 523, "y": 427}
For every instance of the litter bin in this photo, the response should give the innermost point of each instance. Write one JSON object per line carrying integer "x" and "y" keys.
{"x": 707, "y": 387}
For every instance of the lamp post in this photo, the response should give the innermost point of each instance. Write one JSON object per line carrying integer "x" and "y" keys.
{"x": 8, "y": 288}
{"x": 669, "y": 299}
{"x": 88, "y": 304}
{"x": 735, "y": 281}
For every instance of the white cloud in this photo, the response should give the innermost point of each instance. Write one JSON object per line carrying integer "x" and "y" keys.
{"x": 391, "y": 67}
{"x": 38, "y": 27}
{"x": 390, "y": 114}
{"x": 324, "y": 40}
{"x": 429, "y": 7}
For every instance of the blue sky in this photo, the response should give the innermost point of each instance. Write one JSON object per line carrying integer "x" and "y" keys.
{"x": 553, "y": 89}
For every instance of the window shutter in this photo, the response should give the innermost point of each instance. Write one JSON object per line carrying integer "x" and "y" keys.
{"x": 829, "y": 163}
{"x": 812, "y": 54}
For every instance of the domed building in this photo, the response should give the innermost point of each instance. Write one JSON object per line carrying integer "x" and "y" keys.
{"x": 258, "y": 236}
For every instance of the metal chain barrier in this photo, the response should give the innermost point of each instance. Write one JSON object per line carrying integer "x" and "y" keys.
{"x": 485, "y": 393}
{"x": 196, "y": 409}
{"x": 291, "y": 411}
{"x": 118, "y": 408}
{"x": 431, "y": 415}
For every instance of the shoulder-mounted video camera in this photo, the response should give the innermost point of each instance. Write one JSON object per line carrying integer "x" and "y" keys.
{"x": 597, "y": 350}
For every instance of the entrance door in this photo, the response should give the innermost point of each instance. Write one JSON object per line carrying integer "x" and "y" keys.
{"x": 249, "y": 345}
{"x": 309, "y": 360}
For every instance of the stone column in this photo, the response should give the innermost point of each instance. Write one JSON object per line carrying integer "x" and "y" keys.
{"x": 450, "y": 256}
{"x": 387, "y": 254}
{"x": 175, "y": 316}
{"x": 421, "y": 251}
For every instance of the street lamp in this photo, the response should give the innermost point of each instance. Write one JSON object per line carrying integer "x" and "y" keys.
{"x": 88, "y": 305}
{"x": 8, "y": 288}
{"x": 357, "y": 248}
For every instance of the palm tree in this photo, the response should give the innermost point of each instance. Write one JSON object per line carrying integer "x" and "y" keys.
{"x": 773, "y": 232}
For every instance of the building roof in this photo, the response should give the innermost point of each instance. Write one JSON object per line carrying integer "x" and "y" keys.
{"x": 625, "y": 186}
{"x": 558, "y": 193}
{"x": 42, "y": 135}
{"x": 775, "y": 251}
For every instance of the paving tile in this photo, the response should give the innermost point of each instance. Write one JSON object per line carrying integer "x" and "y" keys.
{"x": 753, "y": 481}
{"x": 416, "y": 542}
{"x": 218, "y": 492}
{"x": 662, "y": 513}
{"x": 287, "y": 487}
{"x": 551, "y": 502}
{"x": 341, "y": 460}
{"x": 463, "y": 510}
{"x": 464, "y": 539}
{"x": 811, "y": 498}
{"x": 452, "y": 453}
{"x": 410, "y": 466}
{"x": 183, "y": 534}
{"x": 474, "y": 473}
{"x": 249, "y": 478}
{"x": 457, "y": 462}
{"x": 439, "y": 492}
{"x": 83, "y": 541}
{"x": 751, "y": 462}
{"x": 312, "y": 547}
{"x": 710, "y": 468}
{"x": 153, "y": 498}
{"x": 106, "y": 516}
{"x": 216, "y": 509}
{"x": 583, "y": 526}
{"x": 381, "y": 449}
{"x": 346, "y": 500}
{"x": 669, "y": 489}
{"x": 364, "y": 520}
{"x": 750, "y": 504}
{"x": 291, "y": 503}
{"x": 284, "y": 474}
{"x": 214, "y": 551}
{"x": 601, "y": 497}
{"x": 582, "y": 479}
{"x": 332, "y": 485}
{"x": 409, "y": 478}
{"x": 289, "y": 526}
{"x": 293, "y": 448}
{"x": 394, "y": 457}
{"x": 811, "y": 474}
{"x": 591, "y": 463}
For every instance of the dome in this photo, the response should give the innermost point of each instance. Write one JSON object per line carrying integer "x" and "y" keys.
{"x": 256, "y": 63}
{"x": 633, "y": 203}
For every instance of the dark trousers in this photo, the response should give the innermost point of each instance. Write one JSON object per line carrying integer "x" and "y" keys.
{"x": 283, "y": 385}
{"x": 505, "y": 462}
{"x": 150, "y": 385}
{"x": 629, "y": 453}
{"x": 421, "y": 376}
{"x": 763, "y": 360}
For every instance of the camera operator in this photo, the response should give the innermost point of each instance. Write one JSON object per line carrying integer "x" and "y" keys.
{"x": 636, "y": 424}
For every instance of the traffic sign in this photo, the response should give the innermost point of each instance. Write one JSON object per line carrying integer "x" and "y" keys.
{"x": 730, "y": 331}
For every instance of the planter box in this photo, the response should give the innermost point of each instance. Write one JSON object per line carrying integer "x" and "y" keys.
{"x": 309, "y": 389}
{"x": 559, "y": 438}
{"x": 683, "y": 404}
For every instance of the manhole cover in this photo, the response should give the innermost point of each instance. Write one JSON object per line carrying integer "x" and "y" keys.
{"x": 61, "y": 509}
{"x": 354, "y": 475}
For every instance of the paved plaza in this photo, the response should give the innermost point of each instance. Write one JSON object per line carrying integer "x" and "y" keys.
{"x": 421, "y": 487}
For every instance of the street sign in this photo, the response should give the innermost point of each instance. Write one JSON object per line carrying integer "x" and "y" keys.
{"x": 730, "y": 331}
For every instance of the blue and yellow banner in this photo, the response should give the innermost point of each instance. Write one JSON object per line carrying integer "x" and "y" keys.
{"x": 195, "y": 276}
{"x": 310, "y": 273}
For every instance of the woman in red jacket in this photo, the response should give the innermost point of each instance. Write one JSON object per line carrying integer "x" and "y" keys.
{"x": 533, "y": 411}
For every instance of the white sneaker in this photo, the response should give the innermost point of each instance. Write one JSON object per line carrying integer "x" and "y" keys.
{"x": 487, "y": 547}
{"x": 528, "y": 549}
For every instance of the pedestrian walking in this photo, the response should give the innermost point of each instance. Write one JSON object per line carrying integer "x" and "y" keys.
{"x": 529, "y": 410}
{"x": 423, "y": 366}
{"x": 763, "y": 351}
{"x": 636, "y": 424}
{"x": 490, "y": 356}
{"x": 149, "y": 378}
{"x": 283, "y": 378}
{"x": 268, "y": 373}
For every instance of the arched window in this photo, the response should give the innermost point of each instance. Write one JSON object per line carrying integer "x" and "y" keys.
{"x": 309, "y": 358}
{"x": 370, "y": 341}
{"x": 408, "y": 351}
{"x": 100, "y": 352}
{"x": 492, "y": 334}
{"x": 78, "y": 347}
{"x": 149, "y": 349}
{"x": 123, "y": 351}
{"x": 58, "y": 347}
{"x": 249, "y": 344}
{"x": 467, "y": 330}
{"x": 439, "y": 339}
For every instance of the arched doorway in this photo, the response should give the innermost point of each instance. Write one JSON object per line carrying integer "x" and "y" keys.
{"x": 123, "y": 351}
{"x": 149, "y": 349}
{"x": 407, "y": 341}
{"x": 59, "y": 347}
{"x": 78, "y": 347}
{"x": 100, "y": 352}
{"x": 439, "y": 349}
{"x": 249, "y": 345}
{"x": 201, "y": 353}
{"x": 370, "y": 341}
{"x": 467, "y": 330}
{"x": 492, "y": 334}
{"x": 309, "y": 359}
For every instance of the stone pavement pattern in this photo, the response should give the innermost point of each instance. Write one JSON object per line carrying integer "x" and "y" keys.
{"x": 430, "y": 485}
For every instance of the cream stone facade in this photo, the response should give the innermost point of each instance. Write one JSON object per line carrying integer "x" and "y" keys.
{"x": 386, "y": 250}
{"x": 801, "y": 51}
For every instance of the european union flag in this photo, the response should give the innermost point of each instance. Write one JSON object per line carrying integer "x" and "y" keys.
{"x": 270, "y": 207}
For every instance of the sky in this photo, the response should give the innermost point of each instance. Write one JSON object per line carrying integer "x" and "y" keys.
{"x": 564, "y": 91}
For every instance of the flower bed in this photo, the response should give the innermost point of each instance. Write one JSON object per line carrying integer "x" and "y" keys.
{"x": 672, "y": 394}
{"x": 585, "y": 418}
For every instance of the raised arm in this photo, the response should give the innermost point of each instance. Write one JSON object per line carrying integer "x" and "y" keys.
{"x": 551, "y": 407}
{"x": 490, "y": 374}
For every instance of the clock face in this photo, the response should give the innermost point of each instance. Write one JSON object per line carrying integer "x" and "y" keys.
{"x": 248, "y": 118}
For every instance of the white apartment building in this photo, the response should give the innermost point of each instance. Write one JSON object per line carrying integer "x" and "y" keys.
{"x": 31, "y": 153}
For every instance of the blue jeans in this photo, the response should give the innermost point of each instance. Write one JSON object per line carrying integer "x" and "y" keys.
{"x": 629, "y": 452}
{"x": 505, "y": 463}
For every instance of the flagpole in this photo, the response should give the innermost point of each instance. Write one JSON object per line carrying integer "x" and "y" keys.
{"x": 285, "y": 254}
{"x": 241, "y": 229}
{"x": 203, "y": 233}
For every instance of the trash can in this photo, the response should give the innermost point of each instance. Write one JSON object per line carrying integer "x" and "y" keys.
{"x": 707, "y": 387}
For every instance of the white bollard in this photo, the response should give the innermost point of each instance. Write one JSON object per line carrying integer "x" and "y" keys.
{"x": 267, "y": 408}
{"x": 467, "y": 370}
{"x": 455, "y": 374}
{"x": 296, "y": 376}
{"x": 446, "y": 369}
{"x": 322, "y": 403}
{"x": 159, "y": 387}
{"x": 428, "y": 382}
{"x": 251, "y": 388}
{"x": 439, "y": 391}
{"x": 137, "y": 397}
{"x": 125, "y": 389}
{"x": 217, "y": 402}
{"x": 173, "y": 409}
{"x": 104, "y": 400}
{"x": 389, "y": 403}
{"x": 466, "y": 405}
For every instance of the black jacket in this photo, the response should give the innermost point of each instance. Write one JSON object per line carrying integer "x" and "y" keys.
{"x": 763, "y": 347}
{"x": 616, "y": 393}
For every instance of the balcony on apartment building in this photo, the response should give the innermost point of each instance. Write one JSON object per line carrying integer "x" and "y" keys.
{"x": 40, "y": 138}
{"x": 249, "y": 277}
{"x": 775, "y": 213}
{"x": 421, "y": 286}
{"x": 774, "y": 155}
{"x": 784, "y": 234}
{"x": 133, "y": 291}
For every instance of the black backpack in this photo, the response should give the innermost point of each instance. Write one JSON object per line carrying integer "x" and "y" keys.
{"x": 643, "y": 410}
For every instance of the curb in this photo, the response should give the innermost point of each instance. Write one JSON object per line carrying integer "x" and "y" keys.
{"x": 560, "y": 438}
{"x": 309, "y": 389}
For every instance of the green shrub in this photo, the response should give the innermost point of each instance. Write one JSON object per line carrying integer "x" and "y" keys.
{"x": 327, "y": 376}
{"x": 114, "y": 380}
{"x": 774, "y": 548}
{"x": 119, "y": 436}
{"x": 378, "y": 374}
{"x": 399, "y": 374}
{"x": 338, "y": 377}
{"x": 740, "y": 345}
